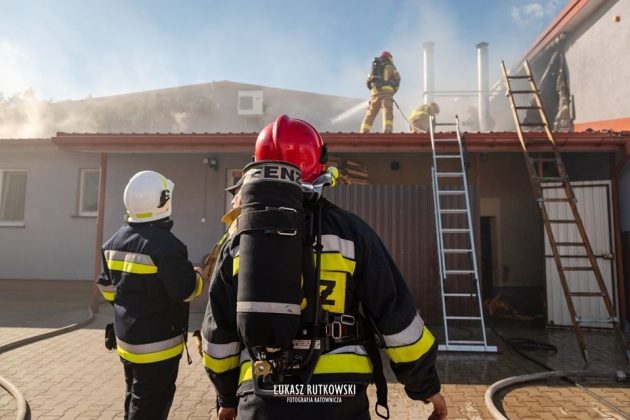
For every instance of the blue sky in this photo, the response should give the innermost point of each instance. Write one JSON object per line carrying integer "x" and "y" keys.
{"x": 69, "y": 49}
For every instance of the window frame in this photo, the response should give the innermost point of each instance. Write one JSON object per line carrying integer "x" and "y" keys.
{"x": 13, "y": 223}
{"x": 81, "y": 212}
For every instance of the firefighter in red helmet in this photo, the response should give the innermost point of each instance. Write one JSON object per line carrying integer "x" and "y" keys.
{"x": 360, "y": 295}
{"x": 383, "y": 82}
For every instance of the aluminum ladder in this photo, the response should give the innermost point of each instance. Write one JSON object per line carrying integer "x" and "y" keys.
{"x": 552, "y": 161}
{"x": 457, "y": 256}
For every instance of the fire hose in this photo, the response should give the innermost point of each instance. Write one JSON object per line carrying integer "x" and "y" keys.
{"x": 514, "y": 380}
{"x": 23, "y": 411}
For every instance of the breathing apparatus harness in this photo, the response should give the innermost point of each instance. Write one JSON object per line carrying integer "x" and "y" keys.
{"x": 283, "y": 337}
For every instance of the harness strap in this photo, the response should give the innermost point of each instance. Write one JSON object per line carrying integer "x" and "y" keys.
{"x": 379, "y": 375}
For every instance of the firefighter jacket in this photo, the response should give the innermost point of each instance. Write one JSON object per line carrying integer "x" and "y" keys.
{"x": 422, "y": 111}
{"x": 388, "y": 83}
{"x": 149, "y": 280}
{"x": 356, "y": 269}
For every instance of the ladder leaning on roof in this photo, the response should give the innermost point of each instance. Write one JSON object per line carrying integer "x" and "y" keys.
{"x": 588, "y": 262}
{"x": 455, "y": 242}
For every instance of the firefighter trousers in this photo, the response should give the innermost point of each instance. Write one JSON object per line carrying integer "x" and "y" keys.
{"x": 378, "y": 100}
{"x": 252, "y": 407}
{"x": 150, "y": 388}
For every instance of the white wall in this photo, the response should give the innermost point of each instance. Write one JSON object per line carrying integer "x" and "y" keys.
{"x": 54, "y": 242}
{"x": 598, "y": 57}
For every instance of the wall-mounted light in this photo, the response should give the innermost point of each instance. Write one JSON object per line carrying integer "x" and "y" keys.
{"x": 212, "y": 163}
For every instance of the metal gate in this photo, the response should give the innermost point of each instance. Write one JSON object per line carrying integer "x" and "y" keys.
{"x": 595, "y": 207}
{"x": 402, "y": 215}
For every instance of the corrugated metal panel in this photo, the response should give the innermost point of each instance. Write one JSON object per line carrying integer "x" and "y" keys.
{"x": 594, "y": 205}
{"x": 402, "y": 215}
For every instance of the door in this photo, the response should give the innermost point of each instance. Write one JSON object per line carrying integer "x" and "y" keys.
{"x": 595, "y": 207}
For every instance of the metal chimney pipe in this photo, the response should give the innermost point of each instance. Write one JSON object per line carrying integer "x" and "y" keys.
{"x": 482, "y": 86}
{"x": 429, "y": 67}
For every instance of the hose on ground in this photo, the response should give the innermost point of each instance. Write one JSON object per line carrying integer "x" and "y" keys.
{"x": 513, "y": 380}
{"x": 23, "y": 410}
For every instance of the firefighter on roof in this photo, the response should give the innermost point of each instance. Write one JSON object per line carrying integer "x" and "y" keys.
{"x": 361, "y": 295}
{"x": 149, "y": 280}
{"x": 383, "y": 81}
{"x": 421, "y": 117}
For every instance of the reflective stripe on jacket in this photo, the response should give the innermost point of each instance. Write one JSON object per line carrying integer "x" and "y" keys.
{"x": 148, "y": 279}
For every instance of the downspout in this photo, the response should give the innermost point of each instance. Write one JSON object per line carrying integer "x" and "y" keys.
{"x": 621, "y": 289}
{"x": 429, "y": 67}
{"x": 102, "y": 181}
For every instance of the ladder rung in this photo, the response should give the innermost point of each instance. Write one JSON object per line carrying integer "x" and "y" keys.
{"x": 444, "y": 140}
{"x": 586, "y": 294}
{"x": 552, "y": 179}
{"x": 526, "y": 107}
{"x": 460, "y": 294}
{"x": 571, "y": 244}
{"x": 459, "y": 271}
{"x": 536, "y": 124}
{"x": 456, "y": 251}
{"x": 453, "y": 230}
{"x": 453, "y": 211}
{"x": 518, "y": 76}
{"x": 543, "y": 159}
{"x": 520, "y": 92}
{"x": 447, "y": 156}
{"x": 449, "y": 174}
{"x": 609, "y": 320}
{"x": 451, "y": 192}
{"x": 463, "y": 317}
{"x": 577, "y": 268}
{"x": 445, "y": 123}
{"x": 468, "y": 348}
{"x": 465, "y": 342}
{"x": 554, "y": 200}
{"x": 565, "y": 221}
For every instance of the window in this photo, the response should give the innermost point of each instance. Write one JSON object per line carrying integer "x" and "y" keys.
{"x": 88, "y": 192}
{"x": 12, "y": 197}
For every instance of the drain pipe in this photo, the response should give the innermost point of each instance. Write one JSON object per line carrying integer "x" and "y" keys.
{"x": 621, "y": 291}
{"x": 429, "y": 68}
{"x": 482, "y": 86}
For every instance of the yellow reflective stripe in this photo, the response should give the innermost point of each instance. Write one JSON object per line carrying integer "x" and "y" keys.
{"x": 246, "y": 372}
{"x": 109, "y": 296}
{"x": 343, "y": 363}
{"x": 412, "y": 352}
{"x": 221, "y": 365}
{"x": 388, "y": 122}
{"x": 198, "y": 289}
{"x": 387, "y": 88}
{"x": 235, "y": 263}
{"x": 131, "y": 267}
{"x": 157, "y": 356}
{"x": 143, "y": 215}
{"x": 334, "y": 261}
{"x": 328, "y": 363}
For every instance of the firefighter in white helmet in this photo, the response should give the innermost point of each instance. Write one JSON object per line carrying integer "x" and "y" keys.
{"x": 360, "y": 289}
{"x": 149, "y": 280}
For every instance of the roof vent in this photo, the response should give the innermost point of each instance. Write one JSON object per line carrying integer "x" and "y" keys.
{"x": 250, "y": 102}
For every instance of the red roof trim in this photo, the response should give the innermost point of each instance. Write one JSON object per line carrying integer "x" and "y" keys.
{"x": 337, "y": 142}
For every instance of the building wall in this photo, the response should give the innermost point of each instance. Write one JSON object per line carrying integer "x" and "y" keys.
{"x": 597, "y": 59}
{"x": 54, "y": 242}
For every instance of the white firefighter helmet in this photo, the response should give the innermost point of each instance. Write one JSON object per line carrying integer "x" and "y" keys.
{"x": 148, "y": 197}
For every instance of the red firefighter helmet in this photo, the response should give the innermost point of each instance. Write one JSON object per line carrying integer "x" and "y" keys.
{"x": 294, "y": 141}
{"x": 386, "y": 54}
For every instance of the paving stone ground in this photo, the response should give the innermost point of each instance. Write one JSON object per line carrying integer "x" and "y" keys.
{"x": 72, "y": 376}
